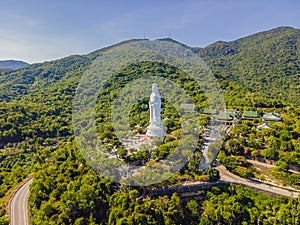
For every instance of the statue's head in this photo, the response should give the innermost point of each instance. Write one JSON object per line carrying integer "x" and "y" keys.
{"x": 154, "y": 93}
{"x": 154, "y": 87}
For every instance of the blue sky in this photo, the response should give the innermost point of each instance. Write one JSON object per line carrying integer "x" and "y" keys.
{"x": 41, "y": 30}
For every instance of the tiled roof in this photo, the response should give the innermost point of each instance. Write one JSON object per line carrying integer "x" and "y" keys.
{"x": 250, "y": 114}
{"x": 225, "y": 116}
{"x": 210, "y": 111}
{"x": 272, "y": 117}
{"x": 263, "y": 126}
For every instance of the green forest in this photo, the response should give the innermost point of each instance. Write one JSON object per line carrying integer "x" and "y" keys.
{"x": 259, "y": 72}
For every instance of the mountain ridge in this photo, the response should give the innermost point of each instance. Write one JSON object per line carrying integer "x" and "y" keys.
{"x": 232, "y": 46}
{"x": 12, "y": 64}
{"x": 269, "y": 57}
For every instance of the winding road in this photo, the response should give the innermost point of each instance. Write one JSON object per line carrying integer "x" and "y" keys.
{"x": 19, "y": 202}
{"x": 264, "y": 187}
{"x": 227, "y": 176}
{"x": 19, "y": 205}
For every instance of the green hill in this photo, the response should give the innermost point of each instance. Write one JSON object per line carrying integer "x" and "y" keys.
{"x": 266, "y": 63}
{"x": 261, "y": 70}
{"x": 258, "y": 71}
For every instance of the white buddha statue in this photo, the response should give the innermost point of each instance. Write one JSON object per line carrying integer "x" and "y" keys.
{"x": 155, "y": 128}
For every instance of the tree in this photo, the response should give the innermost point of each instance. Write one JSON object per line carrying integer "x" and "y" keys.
{"x": 122, "y": 152}
{"x": 3, "y": 221}
{"x": 282, "y": 166}
{"x": 270, "y": 153}
{"x": 194, "y": 161}
{"x": 235, "y": 148}
{"x": 194, "y": 207}
{"x": 213, "y": 174}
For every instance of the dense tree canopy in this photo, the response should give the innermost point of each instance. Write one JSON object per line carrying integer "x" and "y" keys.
{"x": 259, "y": 72}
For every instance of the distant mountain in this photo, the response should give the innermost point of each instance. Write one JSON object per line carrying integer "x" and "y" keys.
{"x": 264, "y": 65}
{"x": 12, "y": 64}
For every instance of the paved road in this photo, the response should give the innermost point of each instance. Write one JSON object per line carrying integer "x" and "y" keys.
{"x": 263, "y": 165}
{"x": 204, "y": 163}
{"x": 19, "y": 206}
{"x": 279, "y": 190}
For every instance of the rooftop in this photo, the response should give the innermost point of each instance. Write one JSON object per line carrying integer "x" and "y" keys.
{"x": 271, "y": 117}
{"x": 250, "y": 114}
{"x": 210, "y": 111}
{"x": 263, "y": 126}
{"x": 225, "y": 115}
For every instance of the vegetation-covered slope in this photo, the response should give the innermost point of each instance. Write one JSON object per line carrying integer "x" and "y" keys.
{"x": 67, "y": 191}
{"x": 265, "y": 63}
{"x": 261, "y": 70}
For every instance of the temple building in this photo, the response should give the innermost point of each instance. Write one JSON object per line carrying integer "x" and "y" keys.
{"x": 228, "y": 117}
{"x": 209, "y": 112}
{"x": 272, "y": 117}
{"x": 263, "y": 126}
{"x": 250, "y": 115}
